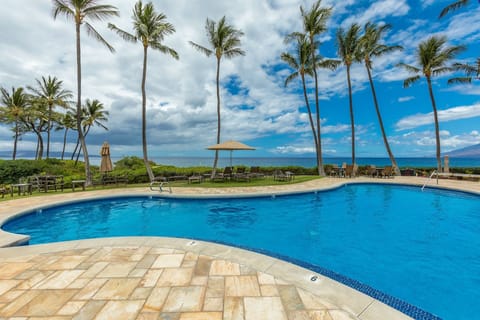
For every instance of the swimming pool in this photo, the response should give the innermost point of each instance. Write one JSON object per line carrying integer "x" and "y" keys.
{"x": 419, "y": 247}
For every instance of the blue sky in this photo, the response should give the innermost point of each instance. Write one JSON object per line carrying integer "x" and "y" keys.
{"x": 256, "y": 107}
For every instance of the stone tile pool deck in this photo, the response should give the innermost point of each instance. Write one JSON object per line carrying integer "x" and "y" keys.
{"x": 171, "y": 278}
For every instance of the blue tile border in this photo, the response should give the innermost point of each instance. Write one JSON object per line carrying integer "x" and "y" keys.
{"x": 396, "y": 303}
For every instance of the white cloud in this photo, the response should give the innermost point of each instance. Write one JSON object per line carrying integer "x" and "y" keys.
{"x": 456, "y": 113}
{"x": 379, "y": 10}
{"x": 293, "y": 149}
{"x": 405, "y": 99}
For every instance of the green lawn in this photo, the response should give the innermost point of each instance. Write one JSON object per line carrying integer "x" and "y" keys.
{"x": 267, "y": 181}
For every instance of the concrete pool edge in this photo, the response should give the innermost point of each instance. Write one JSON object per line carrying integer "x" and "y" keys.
{"x": 345, "y": 298}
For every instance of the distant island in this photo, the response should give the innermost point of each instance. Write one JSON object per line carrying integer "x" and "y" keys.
{"x": 467, "y": 152}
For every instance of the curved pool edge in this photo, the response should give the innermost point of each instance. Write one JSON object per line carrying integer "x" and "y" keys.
{"x": 338, "y": 295}
{"x": 11, "y": 210}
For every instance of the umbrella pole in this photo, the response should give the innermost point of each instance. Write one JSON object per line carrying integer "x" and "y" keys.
{"x": 231, "y": 151}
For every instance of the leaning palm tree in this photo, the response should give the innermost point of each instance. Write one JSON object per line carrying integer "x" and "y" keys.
{"x": 80, "y": 11}
{"x": 453, "y": 7}
{"x": 432, "y": 57}
{"x": 150, "y": 29}
{"x": 49, "y": 91}
{"x": 370, "y": 47}
{"x": 314, "y": 24}
{"x": 12, "y": 109}
{"x": 225, "y": 42}
{"x": 348, "y": 50}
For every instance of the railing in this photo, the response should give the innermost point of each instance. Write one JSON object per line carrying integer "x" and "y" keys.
{"x": 430, "y": 178}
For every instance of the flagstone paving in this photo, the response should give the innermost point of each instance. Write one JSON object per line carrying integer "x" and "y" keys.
{"x": 174, "y": 279}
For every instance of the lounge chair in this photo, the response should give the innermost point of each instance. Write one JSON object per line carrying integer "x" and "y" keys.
{"x": 222, "y": 176}
{"x": 371, "y": 171}
{"x": 387, "y": 172}
{"x": 351, "y": 171}
{"x": 279, "y": 175}
{"x": 255, "y": 173}
{"x": 241, "y": 175}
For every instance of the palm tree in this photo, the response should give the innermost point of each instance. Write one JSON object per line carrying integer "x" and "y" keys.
{"x": 302, "y": 65}
{"x": 35, "y": 119}
{"x": 80, "y": 11}
{"x": 150, "y": 28}
{"x": 67, "y": 122}
{"x": 14, "y": 106}
{"x": 370, "y": 46}
{"x": 348, "y": 50}
{"x": 94, "y": 113}
{"x": 432, "y": 57}
{"x": 51, "y": 93}
{"x": 453, "y": 7}
{"x": 314, "y": 24}
{"x": 224, "y": 41}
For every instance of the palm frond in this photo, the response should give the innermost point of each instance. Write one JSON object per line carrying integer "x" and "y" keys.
{"x": 453, "y": 7}
{"x": 60, "y": 7}
{"x": 331, "y": 64}
{"x": 164, "y": 49}
{"x": 460, "y": 80}
{"x": 409, "y": 81}
{"x": 100, "y": 12}
{"x": 201, "y": 49}
{"x": 123, "y": 34}
{"x": 409, "y": 68}
{"x": 92, "y": 32}
{"x": 442, "y": 70}
{"x": 291, "y": 77}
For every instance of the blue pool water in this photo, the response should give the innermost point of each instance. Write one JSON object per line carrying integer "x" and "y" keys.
{"x": 421, "y": 247}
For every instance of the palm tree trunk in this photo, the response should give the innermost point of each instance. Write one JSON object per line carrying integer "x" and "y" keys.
{"x": 39, "y": 144}
{"x": 380, "y": 121}
{"x": 437, "y": 128}
{"x": 350, "y": 99}
{"x": 88, "y": 177}
{"x": 75, "y": 150}
{"x": 49, "y": 128}
{"x": 215, "y": 161}
{"x": 64, "y": 142}
{"x": 144, "y": 116}
{"x": 318, "y": 140}
{"x": 85, "y": 130}
{"x": 309, "y": 113}
{"x": 14, "y": 155}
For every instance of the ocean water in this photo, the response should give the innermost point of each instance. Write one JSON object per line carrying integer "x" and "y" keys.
{"x": 307, "y": 162}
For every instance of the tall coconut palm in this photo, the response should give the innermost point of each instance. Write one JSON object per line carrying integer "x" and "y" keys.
{"x": 453, "y": 7}
{"x": 432, "y": 57}
{"x": 94, "y": 113}
{"x": 348, "y": 50}
{"x": 314, "y": 24}
{"x": 302, "y": 65}
{"x": 67, "y": 122}
{"x": 35, "y": 119}
{"x": 371, "y": 47}
{"x": 13, "y": 107}
{"x": 224, "y": 41}
{"x": 150, "y": 28}
{"x": 49, "y": 90}
{"x": 80, "y": 11}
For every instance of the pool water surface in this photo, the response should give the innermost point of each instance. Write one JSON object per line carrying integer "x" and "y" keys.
{"x": 421, "y": 247}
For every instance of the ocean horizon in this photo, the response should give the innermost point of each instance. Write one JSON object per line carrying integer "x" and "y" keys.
{"x": 307, "y": 162}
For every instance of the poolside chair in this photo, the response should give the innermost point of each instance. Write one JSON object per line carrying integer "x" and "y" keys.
{"x": 222, "y": 176}
{"x": 3, "y": 190}
{"x": 351, "y": 171}
{"x": 387, "y": 172}
{"x": 255, "y": 173}
{"x": 334, "y": 171}
{"x": 278, "y": 175}
{"x": 371, "y": 171}
{"x": 241, "y": 175}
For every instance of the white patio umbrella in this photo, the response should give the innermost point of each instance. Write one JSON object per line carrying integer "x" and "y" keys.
{"x": 230, "y": 146}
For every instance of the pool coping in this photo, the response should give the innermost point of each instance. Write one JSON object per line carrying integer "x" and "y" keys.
{"x": 342, "y": 293}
